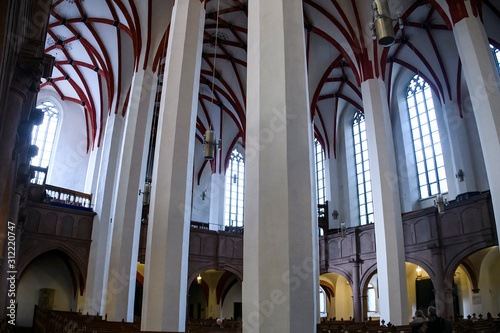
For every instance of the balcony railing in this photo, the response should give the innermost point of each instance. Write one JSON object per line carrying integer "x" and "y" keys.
{"x": 216, "y": 227}
{"x": 69, "y": 197}
{"x": 60, "y": 196}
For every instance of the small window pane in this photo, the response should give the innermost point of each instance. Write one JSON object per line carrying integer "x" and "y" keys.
{"x": 423, "y": 119}
{"x": 443, "y": 185}
{"x": 424, "y": 192}
{"x": 439, "y": 161}
{"x": 422, "y": 179}
{"x": 420, "y": 98}
{"x": 419, "y": 156}
{"x": 441, "y": 173}
{"x": 434, "y": 126}
{"x": 414, "y": 122}
{"x": 429, "y": 152}
{"x": 416, "y": 134}
{"x": 430, "y": 164}
{"x": 413, "y": 111}
{"x": 362, "y": 199}
{"x": 425, "y": 131}
{"x": 432, "y": 177}
{"x": 434, "y": 189}
{"x": 421, "y": 167}
{"x": 369, "y": 208}
{"x": 436, "y": 139}
{"x": 431, "y": 114}
{"x": 418, "y": 145}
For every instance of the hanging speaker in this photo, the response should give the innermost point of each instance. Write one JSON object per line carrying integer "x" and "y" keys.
{"x": 209, "y": 142}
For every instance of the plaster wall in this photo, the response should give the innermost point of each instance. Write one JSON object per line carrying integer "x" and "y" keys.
{"x": 50, "y": 272}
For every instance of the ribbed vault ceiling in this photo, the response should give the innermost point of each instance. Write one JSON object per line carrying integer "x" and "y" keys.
{"x": 98, "y": 44}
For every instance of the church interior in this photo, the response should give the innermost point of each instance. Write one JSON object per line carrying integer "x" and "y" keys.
{"x": 133, "y": 133}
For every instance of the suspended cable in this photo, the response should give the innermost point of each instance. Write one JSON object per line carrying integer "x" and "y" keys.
{"x": 216, "y": 37}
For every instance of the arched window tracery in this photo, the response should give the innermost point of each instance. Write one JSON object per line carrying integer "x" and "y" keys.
{"x": 363, "y": 176}
{"x": 43, "y": 136}
{"x": 235, "y": 189}
{"x": 426, "y": 140}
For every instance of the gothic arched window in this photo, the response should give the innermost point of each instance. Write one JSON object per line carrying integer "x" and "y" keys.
{"x": 371, "y": 294}
{"x": 320, "y": 172}
{"x": 235, "y": 182}
{"x": 365, "y": 197}
{"x": 43, "y": 137}
{"x": 322, "y": 302}
{"x": 426, "y": 140}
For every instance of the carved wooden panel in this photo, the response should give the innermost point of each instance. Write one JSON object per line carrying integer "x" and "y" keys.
{"x": 49, "y": 228}
{"x": 48, "y": 223}
{"x": 422, "y": 229}
{"x": 367, "y": 242}
{"x": 451, "y": 225}
{"x": 471, "y": 219}
{"x": 67, "y": 226}
{"x": 84, "y": 228}
{"x": 195, "y": 244}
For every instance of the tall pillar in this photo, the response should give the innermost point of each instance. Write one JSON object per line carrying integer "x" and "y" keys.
{"x": 15, "y": 134}
{"x": 391, "y": 269}
{"x": 356, "y": 296}
{"x": 217, "y": 197}
{"x": 165, "y": 278}
{"x": 442, "y": 289}
{"x": 128, "y": 205}
{"x": 280, "y": 263}
{"x": 356, "y": 287}
{"x": 103, "y": 199}
{"x": 483, "y": 82}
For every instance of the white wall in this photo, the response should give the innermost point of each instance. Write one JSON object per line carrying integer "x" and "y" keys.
{"x": 343, "y": 299}
{"x": 489, "y": 282}
{"x": 48, "y": 271}
{"x": 341, "y": 304}
{"x": 464, "y": 292}
{"x": 69, "y": 160}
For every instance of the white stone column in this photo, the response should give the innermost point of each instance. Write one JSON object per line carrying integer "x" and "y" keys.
{"x": 483, "y": 82}
{"x": 165, "y": 278}
{"x": 92, "y": 176}
{"x": 104, "y": 196}
{"x": 128, "y": 205}
{"x": 393, "y": 296}
{"x": 280, "y": 263}
{"x": 217, "y": 200}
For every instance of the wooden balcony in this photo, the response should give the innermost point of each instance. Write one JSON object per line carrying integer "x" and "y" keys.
{"x": 56, "y": 219}
{"x": 466, "y": 226}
